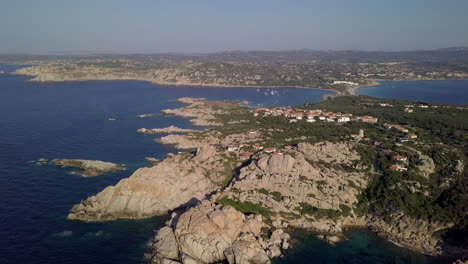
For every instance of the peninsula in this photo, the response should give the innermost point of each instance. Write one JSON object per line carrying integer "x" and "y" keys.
{"x": 236, "y": 187}
{"x": 340, "y": 71}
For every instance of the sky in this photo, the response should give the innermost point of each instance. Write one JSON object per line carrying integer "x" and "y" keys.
{"x": 153, "y": 26}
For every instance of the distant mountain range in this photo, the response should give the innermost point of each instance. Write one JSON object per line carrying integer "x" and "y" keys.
{"x": 304, "y": 55}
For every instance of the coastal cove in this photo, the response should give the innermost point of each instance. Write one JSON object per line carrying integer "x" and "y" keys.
{"x": 362, "y": 246}
{"x": 71, "y": 120}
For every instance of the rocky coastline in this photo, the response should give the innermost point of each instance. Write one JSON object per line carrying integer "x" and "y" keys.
{"x": 248, "y": 70}
{"x": 198, "y": 110}
{"x": 170, "y": 129}
{"x": 233, "y": 206}
{"x": 49, "y": 73}
{"x": 88, "y": 168}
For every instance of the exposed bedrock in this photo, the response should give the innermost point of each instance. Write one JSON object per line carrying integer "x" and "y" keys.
{"x": 209, "y": 233}
{"x": 176, "y": 181}
{"x": 88, "y": 168}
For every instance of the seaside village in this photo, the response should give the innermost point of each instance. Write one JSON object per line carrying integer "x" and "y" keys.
{"x": 318, "y": 115}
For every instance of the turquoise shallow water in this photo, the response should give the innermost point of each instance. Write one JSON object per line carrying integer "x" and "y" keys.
{"x": 362, "y": 247}
{"x": 70, "y": 120}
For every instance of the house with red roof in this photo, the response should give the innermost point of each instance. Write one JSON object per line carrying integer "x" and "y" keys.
{"x": 397, "y": 168}
{"x": 400, "y": 158}
{"x": 269, "y": 150}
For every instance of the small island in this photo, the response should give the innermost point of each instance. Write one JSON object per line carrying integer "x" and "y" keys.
{"x": 89, "y": 168}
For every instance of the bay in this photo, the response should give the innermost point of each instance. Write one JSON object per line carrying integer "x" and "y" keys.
{"x": 453, "y": 92}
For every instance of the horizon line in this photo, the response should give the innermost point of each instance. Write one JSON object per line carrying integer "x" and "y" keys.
{"x": 90, "y": 53}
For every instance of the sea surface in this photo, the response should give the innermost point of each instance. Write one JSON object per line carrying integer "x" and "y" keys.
{"x": 71, "y": 120}
{"x": 444, "y": 92}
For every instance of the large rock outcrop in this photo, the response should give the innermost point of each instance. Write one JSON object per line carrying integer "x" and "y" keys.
{"x": 341, "y": 153}
{"x": 411, "y": 232}
{"x": 176, "y": 181}
{"x": 284, "y": 182}
{"x": 187, "y": 141}
{"x": 89, "y": 168}
{"x": 276, "y": 163}
{"x": 210, "y": 233}
{"x": 425, "y": 165}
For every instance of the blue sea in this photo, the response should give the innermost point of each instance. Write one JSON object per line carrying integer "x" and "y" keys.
{"x": 444, "y": 92}
{"x": 71, "y": 120}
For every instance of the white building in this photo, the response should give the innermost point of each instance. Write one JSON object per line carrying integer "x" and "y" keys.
{"x": 343, "y": 119}
{"x": 233, "y": 148}
{"x": 345, "y": 82}
{"x": 384, "y": 104}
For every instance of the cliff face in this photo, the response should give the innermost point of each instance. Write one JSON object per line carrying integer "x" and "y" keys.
{"x": 414, "y": 233}
{"x": 150, "y": 191}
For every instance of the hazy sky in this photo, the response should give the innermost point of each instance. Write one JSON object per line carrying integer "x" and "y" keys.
{"x": 43, "y": 26}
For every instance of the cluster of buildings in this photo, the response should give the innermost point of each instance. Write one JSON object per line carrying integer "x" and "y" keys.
{"x": 399, "y": 128}
{"x": 346, "y": 83}
{"x": 409, "y": 108}
{"x": 311, "y": 115}
{"x": 385, "y": 105}
{"x": 367, "y": 119}
{"x": 248, "y": 154}
{"x": 398, "y": 158}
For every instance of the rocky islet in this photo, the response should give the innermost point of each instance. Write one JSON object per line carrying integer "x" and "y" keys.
{"x": 88, "y": 168}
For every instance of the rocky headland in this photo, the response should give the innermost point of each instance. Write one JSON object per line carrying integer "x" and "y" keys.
{"x": 152, "y": 160}
{"x": 210, "y": 233}
{"x": 176, "y": 181}
{"x": 198, "y": 110}
{"x": 234, "y": 189}
{"x": 89, "y": 168}
{"x": 170, "y": 129}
